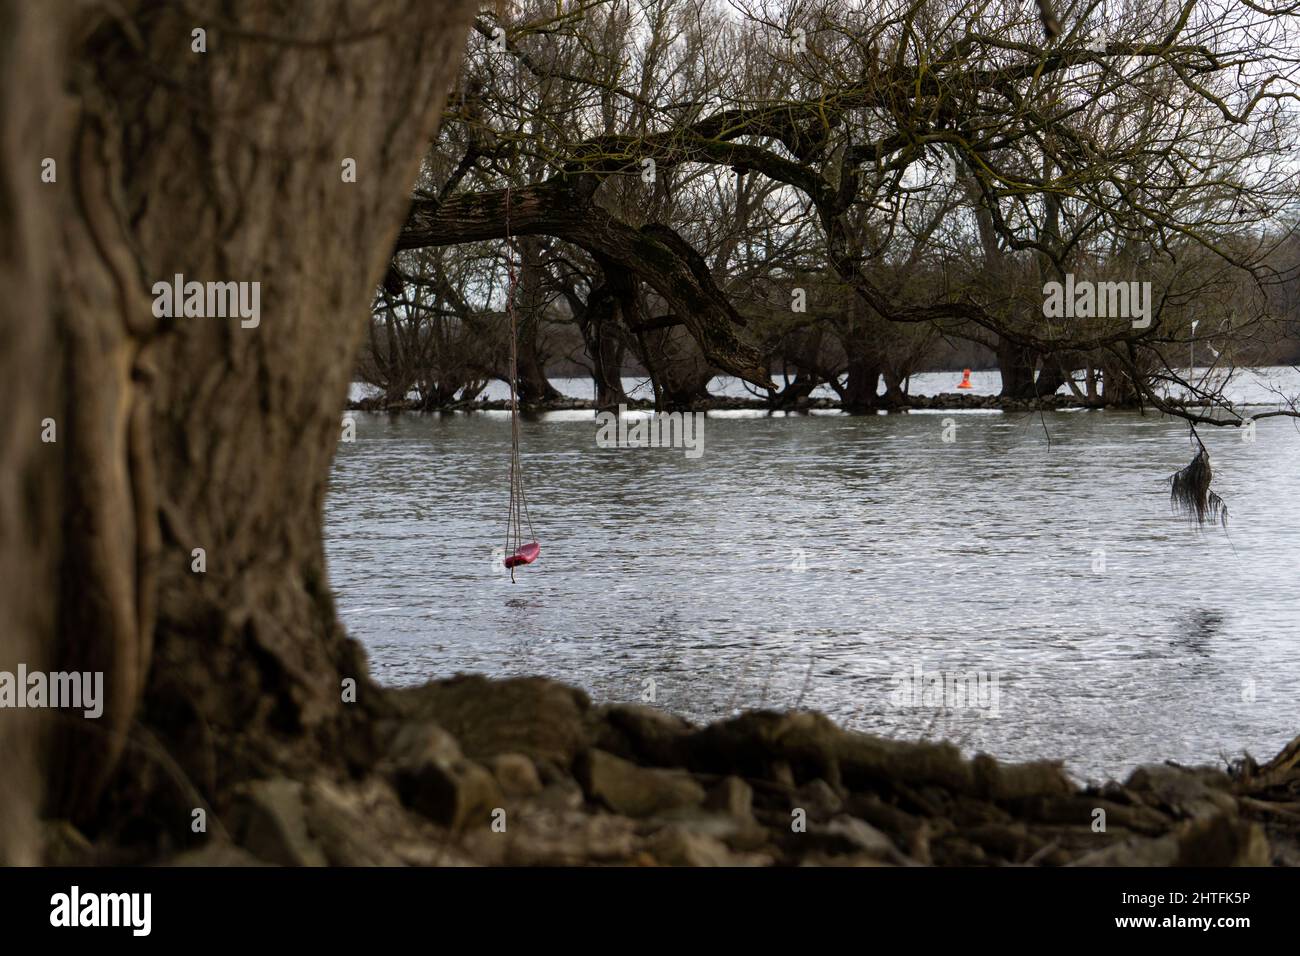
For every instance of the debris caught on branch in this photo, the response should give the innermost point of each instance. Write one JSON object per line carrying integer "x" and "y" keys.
{"x": 1190, "y": 494}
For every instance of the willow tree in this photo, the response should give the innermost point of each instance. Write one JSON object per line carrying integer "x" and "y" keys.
{"x": 163, "y": 478}
{"x": 1140, "y": 142}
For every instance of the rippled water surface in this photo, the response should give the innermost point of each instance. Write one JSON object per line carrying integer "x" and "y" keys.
{"x": 810, "y": 560}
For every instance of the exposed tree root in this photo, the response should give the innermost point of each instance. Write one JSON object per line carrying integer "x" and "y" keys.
{"x": 525, "y": 771}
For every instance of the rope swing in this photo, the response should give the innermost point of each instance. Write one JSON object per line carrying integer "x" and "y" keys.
{"x": 519, "y": 550}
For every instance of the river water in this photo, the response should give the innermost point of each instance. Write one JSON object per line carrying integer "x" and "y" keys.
{"x": 842, "y": 564}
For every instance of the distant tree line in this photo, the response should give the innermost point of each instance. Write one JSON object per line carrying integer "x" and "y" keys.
{"x": 817, "y": 193}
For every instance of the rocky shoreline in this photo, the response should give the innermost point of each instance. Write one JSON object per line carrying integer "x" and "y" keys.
{"x": 527, "y": 772}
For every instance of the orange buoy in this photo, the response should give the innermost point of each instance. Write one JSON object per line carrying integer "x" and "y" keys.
{"x": 965, "y": 379}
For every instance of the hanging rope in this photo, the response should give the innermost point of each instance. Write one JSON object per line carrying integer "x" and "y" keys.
{"x": 518, "y": 516}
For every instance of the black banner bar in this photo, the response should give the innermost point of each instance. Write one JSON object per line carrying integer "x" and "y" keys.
{"x": 336, "y": 906}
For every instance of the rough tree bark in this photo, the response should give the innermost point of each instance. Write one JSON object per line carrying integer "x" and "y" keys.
{"x": 1016, "y": 363}
{"x": 598, "y": 322}
{"x": 1056, "y": 371}
{"x": 863, "y": 382}
{"x": 894, "y": 395}
{"x": 188, "y": 433}
{"x": 30, "y": 51}
{"x": 859, "y": 393}
{"x": 597, "y": 318}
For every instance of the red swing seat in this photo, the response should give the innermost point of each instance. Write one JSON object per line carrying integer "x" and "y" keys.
{"x": 524, "y": 554}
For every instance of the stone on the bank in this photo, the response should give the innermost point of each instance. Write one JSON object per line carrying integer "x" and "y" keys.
{"x": 1006, "y": 841}
{"x": 420, "y": 742}
{"x": 269, "y": 820}
{"x": 636, "y": 791}
{"x": 677, "y": 846}
{"x": 560, "y": 796}
{"x": 1222, "y": 840}
{"x": 530, "y": 715}
{"x": 345, "y": 822}
{"x": 516, "y": 774}
{"x": 738, "y": 833}
{"x": 818, "y": 799}
{"x": 455, "y": 795}
{"x": 557, "y": 838}
{"x": 1078, "y": 809}
{"x": 858, "y": 835}
{"x": 1196, "y": 794}
{"x": 731, "y": 796}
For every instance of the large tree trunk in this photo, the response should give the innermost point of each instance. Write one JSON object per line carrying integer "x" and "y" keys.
{"x": 1117, "y": 389}
{"x": 1056, "y": 371}
{"x": 864, "y": 364}
{"x": 599, "y": 320}
{"x": 598, "y": 323}
{"x": 31, "y": 41}
{"x": 863, "y": 381}
{"x": 894, "y": 396}
{"x": 1017, "y": 367}
{"x": 197, "y": 433}
{"x": 533, "y": 384}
